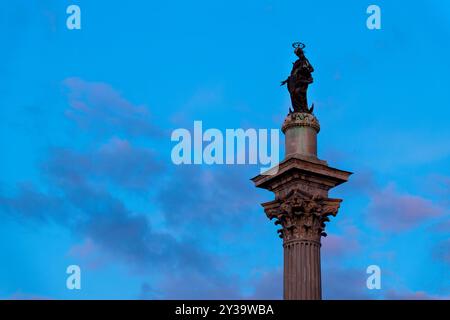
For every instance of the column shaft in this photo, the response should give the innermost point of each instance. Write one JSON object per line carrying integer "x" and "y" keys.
{"x": 302, "y": 277}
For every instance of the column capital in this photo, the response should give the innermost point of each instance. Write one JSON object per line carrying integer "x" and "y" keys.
{"x": 300, "y": 119}
{"x": 302, "y": 215}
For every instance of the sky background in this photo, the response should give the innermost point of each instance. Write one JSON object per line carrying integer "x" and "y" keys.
{"x": 86, "y": 116}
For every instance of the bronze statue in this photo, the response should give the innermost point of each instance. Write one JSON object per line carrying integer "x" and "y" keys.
{"x": 299, "y": 80}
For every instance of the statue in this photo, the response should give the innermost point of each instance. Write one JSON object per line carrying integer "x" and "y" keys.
{"x": 299, "y": 79}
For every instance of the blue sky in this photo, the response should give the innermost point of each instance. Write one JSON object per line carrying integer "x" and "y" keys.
{"x": 85, "y": 123}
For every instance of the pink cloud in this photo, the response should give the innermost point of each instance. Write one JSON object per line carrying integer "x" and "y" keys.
{"x": 89, "y": 254}
{"x": 393, "y": 211}
{"x": 98, "y": 107}
{"x": 344, "y": 284}
{"x": 336, "y": 245}
{"x": 413, "y": 295}
{"x": 26, "y": 296}
{"x": 83, "y": 250}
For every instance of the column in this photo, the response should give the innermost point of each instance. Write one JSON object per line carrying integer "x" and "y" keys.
{"x": 302, "y": 270}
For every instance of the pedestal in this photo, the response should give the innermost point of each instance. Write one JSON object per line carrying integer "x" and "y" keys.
{"x": 301, "y": 206}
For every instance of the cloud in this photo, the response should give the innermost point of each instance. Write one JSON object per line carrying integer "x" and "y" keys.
{"x": 98, "y": 107}
{"x": 442, "y": 226}
{"x": 339, "y": 282}
{"x": 80, "y": 194}
{"x": 339, "y": 246}
{"x": 79, "y": 198}
{"x": 200, "y": 285}
{"x": 128, "y": 235}
{"x": 344, "y": 284}
{"x": 117, "y": 161}
{"x": 216, "y": 285}
{"x": 361, "y": 182}
{"x": 31, "y": 204}
{"x": 148, "y": 292}
{"x": 27, "y": 296}
{"x": 439, "y": 186}
{"x": 393, "y": 211}
{"x": 203, "y": 195}
{"x": 112, "y": 228}
{"x": 89, "y": 254}
{"x": 442, "y": 252}
{"x": 269, "y": 286}
{"x": 413, "y": 295}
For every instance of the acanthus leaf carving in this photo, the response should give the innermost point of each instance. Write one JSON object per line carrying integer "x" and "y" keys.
{"x": 302, "y": 215}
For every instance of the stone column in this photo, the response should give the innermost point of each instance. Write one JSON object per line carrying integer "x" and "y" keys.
{"x": 299, "y": 258}
{"x": 301, "y": 131}
{"x": 301, "y": 206}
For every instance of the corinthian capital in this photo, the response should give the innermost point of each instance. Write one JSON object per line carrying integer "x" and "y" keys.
{"x": 301, "y": 215}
